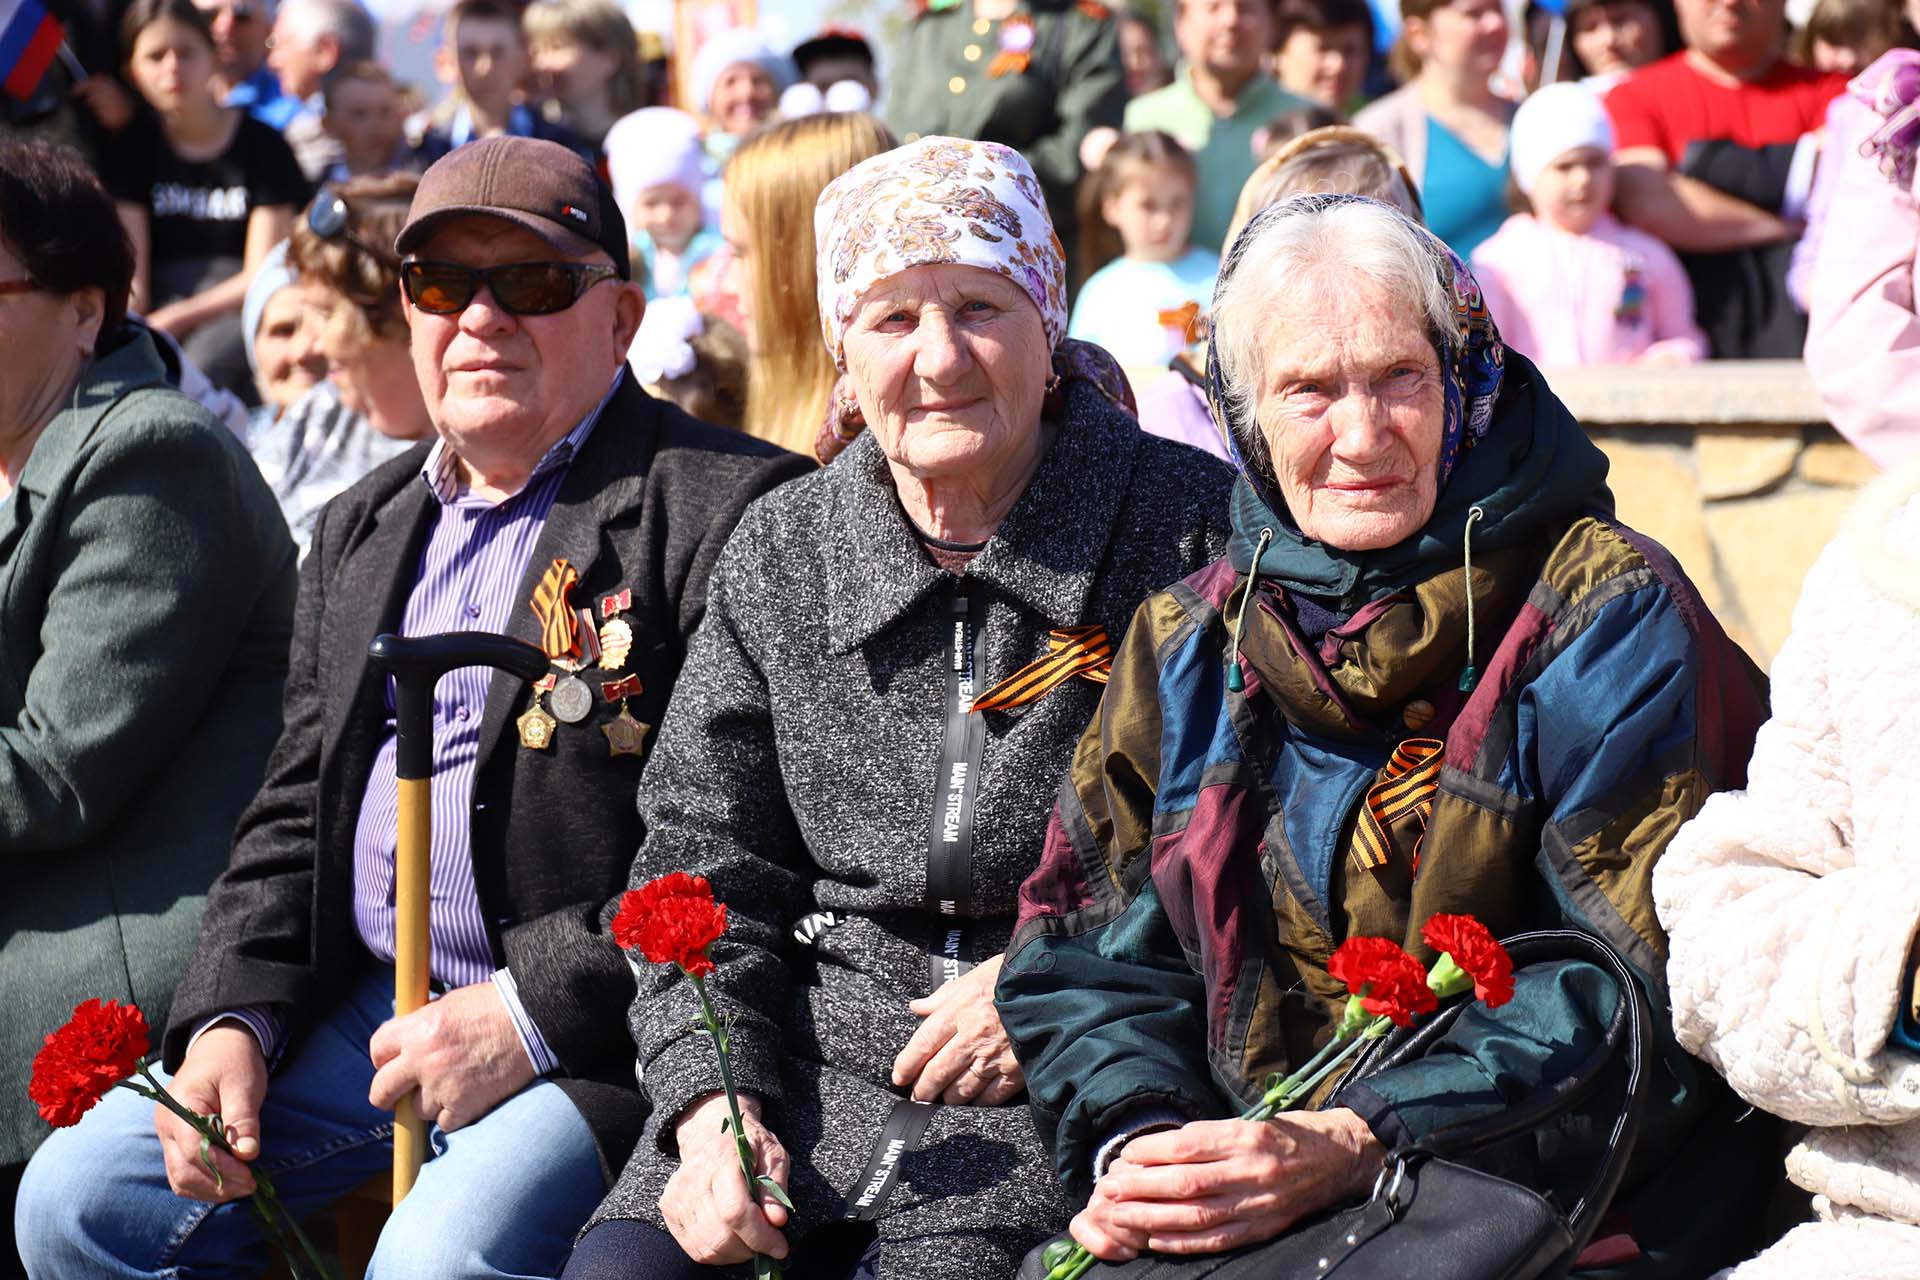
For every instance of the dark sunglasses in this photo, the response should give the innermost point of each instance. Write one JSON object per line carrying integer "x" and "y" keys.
{"x": 521, "y": 288}
{"x": 328, "y": 218}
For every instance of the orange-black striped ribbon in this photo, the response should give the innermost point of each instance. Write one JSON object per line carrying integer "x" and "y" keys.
{"x": 549, "y": 604}
{"x": 1071, "y": 651}
{"x": 1407, "y": 786}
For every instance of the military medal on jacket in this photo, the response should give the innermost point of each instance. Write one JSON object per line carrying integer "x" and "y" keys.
{"x": 560, "y": 631}
{"x": 535, "y": 724}
{"x": 625, "y": 735}
{"x": 574, "y": 639}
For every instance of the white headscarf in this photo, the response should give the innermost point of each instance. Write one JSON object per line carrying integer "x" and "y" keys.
{"x": 724, "y": 48}
{"x": 1558, "y": 118}
{"x": 652, "y": 146}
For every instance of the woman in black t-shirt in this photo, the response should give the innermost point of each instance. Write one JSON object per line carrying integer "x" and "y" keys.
{"x": 205, "y": 191}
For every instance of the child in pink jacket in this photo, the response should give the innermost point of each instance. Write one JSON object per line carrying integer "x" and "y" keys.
{"x": 1863, "y": 338}
{"x": 1567, "y": 283}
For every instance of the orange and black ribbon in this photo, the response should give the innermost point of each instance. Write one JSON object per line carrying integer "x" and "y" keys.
{"x": 1186, "y": 318}
{"x": 1071, "y": 651}
{"x": 1017, "y": 37}
{"x": 1407, "y": 786}
{"x": 549, "y": 604}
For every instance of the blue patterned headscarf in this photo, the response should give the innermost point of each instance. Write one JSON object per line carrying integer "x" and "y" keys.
{"x": 1472, "y": 357}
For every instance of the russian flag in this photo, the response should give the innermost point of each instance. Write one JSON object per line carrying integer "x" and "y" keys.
{"x": 30, "y": 38}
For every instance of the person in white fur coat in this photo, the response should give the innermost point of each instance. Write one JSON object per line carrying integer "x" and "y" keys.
{"x": 1793, "y": 905}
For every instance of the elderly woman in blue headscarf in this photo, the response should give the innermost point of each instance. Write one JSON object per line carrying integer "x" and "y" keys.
{"x": 1433, "y": 674}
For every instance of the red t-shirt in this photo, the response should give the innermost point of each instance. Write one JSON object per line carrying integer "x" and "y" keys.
{"x": 1670, "y": 104}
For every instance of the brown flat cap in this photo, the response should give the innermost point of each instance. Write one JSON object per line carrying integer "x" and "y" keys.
{"x": 529, "y": 182}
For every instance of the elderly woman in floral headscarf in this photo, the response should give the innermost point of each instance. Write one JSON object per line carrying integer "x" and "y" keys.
{"x": 898, "y": 655}
{"x": 1432, "y": 674}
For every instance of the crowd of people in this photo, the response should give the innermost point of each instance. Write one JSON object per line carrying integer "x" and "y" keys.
{"x": 1061, "y": 522}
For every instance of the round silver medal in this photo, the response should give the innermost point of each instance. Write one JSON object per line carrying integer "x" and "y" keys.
{"x": 571, "y": 700}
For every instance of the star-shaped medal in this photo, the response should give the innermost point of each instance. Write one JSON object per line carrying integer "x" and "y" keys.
{"x": 625, "y": 735}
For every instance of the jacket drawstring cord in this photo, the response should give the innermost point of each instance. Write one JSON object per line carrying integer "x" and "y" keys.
{"x": 1470, "y": 676}
{"x": 1236, "y": 682}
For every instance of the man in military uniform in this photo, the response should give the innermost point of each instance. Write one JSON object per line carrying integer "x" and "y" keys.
{"x": 1033, "y": 74}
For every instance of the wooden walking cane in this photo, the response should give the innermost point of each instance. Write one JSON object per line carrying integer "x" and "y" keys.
{"x": 416, "y": 664}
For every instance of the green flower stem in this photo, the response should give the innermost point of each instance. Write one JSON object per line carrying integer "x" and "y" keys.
{"x": 276, "y": 1223}
{"x": 1348, "y": 1048}
{"x": 1272, "y": 1100}
{"x": 763, "y": 1266}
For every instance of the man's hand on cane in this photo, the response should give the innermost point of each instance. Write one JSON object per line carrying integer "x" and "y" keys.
{"x": 461, "y": 1052}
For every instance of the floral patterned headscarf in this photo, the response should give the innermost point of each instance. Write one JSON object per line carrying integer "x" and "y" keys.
{"x": 940, "y": 201}
{"x": 1472, "y": 357}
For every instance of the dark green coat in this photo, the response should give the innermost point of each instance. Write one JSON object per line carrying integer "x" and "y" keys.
{"x": 941, "y": 84}
{"x": 146, "y": 602}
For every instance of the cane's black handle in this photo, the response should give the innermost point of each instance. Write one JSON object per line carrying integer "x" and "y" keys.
{"x": 416, "y": 664}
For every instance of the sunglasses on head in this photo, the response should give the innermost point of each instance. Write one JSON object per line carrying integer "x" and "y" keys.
{"x": 521, "y": 288}
{"x": 328, "y": 218}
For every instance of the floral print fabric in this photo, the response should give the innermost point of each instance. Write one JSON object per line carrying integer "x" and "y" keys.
{"x": 938, "y": 200}
{"x": 944, "y": 201}
{"x": 1473, "y": 360}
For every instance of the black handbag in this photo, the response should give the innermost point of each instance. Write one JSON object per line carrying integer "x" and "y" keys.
{"x": 1429, "y": 1216}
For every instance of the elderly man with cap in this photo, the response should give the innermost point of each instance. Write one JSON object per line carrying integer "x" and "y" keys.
{"x": 562, "y": 505}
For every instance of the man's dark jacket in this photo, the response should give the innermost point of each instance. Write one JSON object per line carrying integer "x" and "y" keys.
{"x": 646, "y": 505}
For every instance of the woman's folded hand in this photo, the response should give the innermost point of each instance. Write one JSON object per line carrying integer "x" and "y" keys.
{"x": 1219, "y": 1184}
{"x": 706, "y": 1204}
{"x": 961, "y": 1054}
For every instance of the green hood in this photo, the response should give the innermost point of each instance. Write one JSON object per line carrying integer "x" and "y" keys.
{"x": 1534, "y": 467}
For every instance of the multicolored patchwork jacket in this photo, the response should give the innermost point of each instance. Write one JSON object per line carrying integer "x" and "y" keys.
{"x": 1202, "y": 863}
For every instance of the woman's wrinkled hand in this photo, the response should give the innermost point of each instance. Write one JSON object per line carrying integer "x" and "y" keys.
{"x": 707, "y": 1205}
{"x": 1219, "y": 1184}
{"x": 961, "y": 1054}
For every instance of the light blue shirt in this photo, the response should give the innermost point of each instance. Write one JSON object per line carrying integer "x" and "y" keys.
{"x": 704, "y": 245}
{"x": 1120, "y": 304}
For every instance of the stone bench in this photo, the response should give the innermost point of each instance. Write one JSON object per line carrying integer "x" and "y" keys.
{"x": 1732, "y": 467}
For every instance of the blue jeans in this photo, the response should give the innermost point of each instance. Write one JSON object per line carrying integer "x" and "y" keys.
{"x": 502, "y": 1197}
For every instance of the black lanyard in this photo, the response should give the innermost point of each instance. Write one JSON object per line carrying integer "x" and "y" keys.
{"x": 956, "y": 792}
{"x": 905, "y": 1126}
{"x": 957, "y": 787}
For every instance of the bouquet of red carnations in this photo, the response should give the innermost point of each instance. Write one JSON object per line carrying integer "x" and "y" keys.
{"x": 1387, "y": 987}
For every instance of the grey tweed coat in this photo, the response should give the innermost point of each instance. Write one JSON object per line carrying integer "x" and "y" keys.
{"x": 796, "y": 769}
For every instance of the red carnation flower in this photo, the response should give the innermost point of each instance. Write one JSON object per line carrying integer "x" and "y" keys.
{"x": 1389, "y": 982}
{"x": 1474, "y": 950}
{"x": 99, "y": 1047}
{"x": 672, "y": 920}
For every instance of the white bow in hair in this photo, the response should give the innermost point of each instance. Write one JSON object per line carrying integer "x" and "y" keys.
{"x": 664, "y": 346}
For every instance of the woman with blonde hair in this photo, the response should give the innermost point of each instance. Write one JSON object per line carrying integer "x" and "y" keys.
{"x": 772, "y": 183}
{"x": 1335, "y": 160}
{"x": 587, "y": 59}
